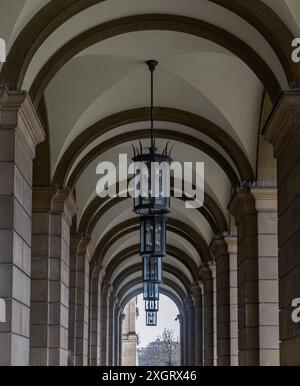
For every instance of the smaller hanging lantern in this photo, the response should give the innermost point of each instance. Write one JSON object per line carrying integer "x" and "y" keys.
{"x": 151, "y": 291}
{"x": 153, "y": 235}
{"x": 152, "y": 269}
{"x": 151, "y": 318}
{"x": 151, "y": 305}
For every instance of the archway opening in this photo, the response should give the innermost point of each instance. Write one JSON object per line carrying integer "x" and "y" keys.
{"x": 158, "y": 345}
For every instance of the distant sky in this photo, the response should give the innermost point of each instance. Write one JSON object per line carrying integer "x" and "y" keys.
{"x": 167, "y": 314}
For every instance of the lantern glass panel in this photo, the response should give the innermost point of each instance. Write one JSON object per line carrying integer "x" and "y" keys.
{"x": 151, "y": 305}
{"x": 152, "y": 188}
{"x": 151, "y": 318}
{"x": 151, "y": 291}
{"x": 153, "y": 235}
{"x": 152, "y": 269}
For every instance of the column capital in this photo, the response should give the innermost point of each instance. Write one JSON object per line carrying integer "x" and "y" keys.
{"x": 283, "y": 121}
{"x": 241, "y": 203}
{"x": 18, "y": 112}
{"x": 231, "y": 241}
{"x": 205, "y": 273}
{"x": 265, "y": 199}
{"x": 64, "y": 203}
{"x": 54, "y": 201}
{"x": 218, "y": 247}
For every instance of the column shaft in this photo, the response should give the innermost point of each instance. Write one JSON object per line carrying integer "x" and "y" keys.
{"x": 20, "y": 132}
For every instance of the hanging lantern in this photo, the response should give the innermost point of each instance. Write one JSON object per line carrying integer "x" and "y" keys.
{"x": 151, "y": 305}
{"x": 153, "y": 235}
{"x": 152, "y": 188}
{"x": 151, "y": 318}
{"x": 152, "y": 269}
{"x": 151, "y": 291}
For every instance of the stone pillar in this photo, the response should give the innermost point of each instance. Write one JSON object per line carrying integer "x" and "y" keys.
{"x": 214, "y": 281}
{"x": 242, "y": 207}
{"x": 198, "y": 325}
{"x": 186, "y": 335}
{"x": 117, "y": 335}
{"x": 191, "y": 330}
{"x": 20, "y": 132}
{"x": 50, "y": 282}
{"x": 219, "y": 250}
{"x": 74, "y": 242}
{"x": 233, "y": 294}
{"x": 111, "y": 328}
{"x": 129, "y": 338}
{"x": 208, "y": 319}
{"x": 84, "y": 254}
{"x": 180, "y": 319}
{"x": 104, "y": 324}
{"x": 282, "y": 131}
{"x": 95, "y": 299}
{"x": 266, "y": 206}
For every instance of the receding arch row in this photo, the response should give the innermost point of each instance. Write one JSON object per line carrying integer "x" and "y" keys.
{"x": 136, "y": 268}
{"x": 128, "y": 252}
{"x": 173, "y": 251}
{"x": 99, "y": 206}
{"x": 163, "y": 114}
{"x": 163, "y": 291}
{"x": 124, "y": 291}
{"x": 57, "y": 12}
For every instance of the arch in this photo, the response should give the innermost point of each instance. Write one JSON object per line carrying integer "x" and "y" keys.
{"x": 99, "y": 206}
{"x": 56, "y": 12}
{"x": 130, "y": 226}
{"x": 158, "y": 22}
{"x": 138, "y": 267}
{"x": 194, "y": 121}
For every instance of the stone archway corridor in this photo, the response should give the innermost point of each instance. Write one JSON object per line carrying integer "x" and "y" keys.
{"x": 74, "y": 92}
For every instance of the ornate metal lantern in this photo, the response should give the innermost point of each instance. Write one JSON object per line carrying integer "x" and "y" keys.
{"x": 153, "y": 235}
{"x": 151, "y": 318}
{"x": 152, "y": 191}
{"x": 151, "y": 291}
{"x": 152, "y": 269}
{"x": 151, "y": 305}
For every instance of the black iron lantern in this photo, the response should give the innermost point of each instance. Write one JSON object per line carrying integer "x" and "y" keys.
{"x": 151, "y": 318}
{"x": 151, "y": 291}
{"x": 152, "y": 171}
{"x": 153, "y": 235}
{"x": 152, "y": 191}
{"x": 152, "y": 269}
{"x": 151, "y": 305}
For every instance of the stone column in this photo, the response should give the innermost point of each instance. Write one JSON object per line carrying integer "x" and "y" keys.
{"x": 214, "y": 281}
{"x": 74, "y": 242}
{"x": 208, "y": 320}
{"x": 117, "y": 335}
{"x": 129, "y": 338}
{"x": 20, "y": 132}
{"x": 242, "y": 207}
{"x": 180, "y": 319}
{"x": 191, "y": 330}
{"x": 111, "y": 328}
{"x": 266, "y": 206}
{"x": 233, "y": 294}
{"x": 282, "y": 131}
{"x": 95, "y": 299}
{"x": 198, "y": 325}
{"x": 104, "y": 324}
{"x": 50, "y": 283}
{"x": 219, "y": 250}
{"x": 84, "y": 254}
